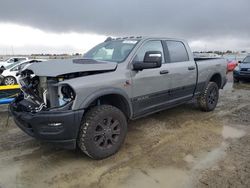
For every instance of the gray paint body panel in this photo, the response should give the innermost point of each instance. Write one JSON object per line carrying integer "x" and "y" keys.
{"x": 141, "y": 83}
{"x": 55, "y": 68}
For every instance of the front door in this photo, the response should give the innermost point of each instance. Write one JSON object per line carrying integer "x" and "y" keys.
{"x": 150, "y": 86}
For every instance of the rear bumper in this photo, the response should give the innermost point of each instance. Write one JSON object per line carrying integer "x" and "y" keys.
{"x": 59, "y": 127}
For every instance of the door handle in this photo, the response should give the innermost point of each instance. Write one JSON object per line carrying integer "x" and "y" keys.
{"x": 191, "y": 68}
{"x": 164, "y": 72}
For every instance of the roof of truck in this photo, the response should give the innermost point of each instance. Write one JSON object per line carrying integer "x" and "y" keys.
{"x": 142, "y": 38}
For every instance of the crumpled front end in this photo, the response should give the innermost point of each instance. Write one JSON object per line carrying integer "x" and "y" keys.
{"x": 43, "y": 93}
{"x": 43, "y": 109}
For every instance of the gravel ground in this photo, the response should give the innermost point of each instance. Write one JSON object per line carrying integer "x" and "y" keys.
{"x": 180, "y": 147}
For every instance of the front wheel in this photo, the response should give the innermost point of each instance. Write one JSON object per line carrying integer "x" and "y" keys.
{"x": 209, "y": 98}
{"x": 102, "y": 131}
{"x": 9, "y": 80}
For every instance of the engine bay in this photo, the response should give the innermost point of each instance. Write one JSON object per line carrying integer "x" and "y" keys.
{"x": 39, "y": 93}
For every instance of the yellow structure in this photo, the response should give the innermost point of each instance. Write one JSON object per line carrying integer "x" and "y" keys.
{"x": 10, "y": 87}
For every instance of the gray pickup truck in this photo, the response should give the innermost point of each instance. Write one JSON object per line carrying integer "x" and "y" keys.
{"x": 86, "y": 103}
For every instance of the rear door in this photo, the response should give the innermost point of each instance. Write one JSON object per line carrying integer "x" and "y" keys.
{"x": 182, "y": 71}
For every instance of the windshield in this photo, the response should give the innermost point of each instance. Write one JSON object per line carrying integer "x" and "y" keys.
{"x": 247, "y": 60}
{"x": 114, "y": 50}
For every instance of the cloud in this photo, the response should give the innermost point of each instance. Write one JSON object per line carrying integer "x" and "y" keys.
{"x": 194, "y": 20}
{"x": 27, "y": 40}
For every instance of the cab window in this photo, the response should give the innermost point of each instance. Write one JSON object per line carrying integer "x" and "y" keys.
{"x": 177, "y": 51}
{"x": 149, "y": 46}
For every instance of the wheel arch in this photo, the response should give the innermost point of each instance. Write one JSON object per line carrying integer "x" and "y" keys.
{"x": 217, "y": 78}
{"x": 112, "y": 96}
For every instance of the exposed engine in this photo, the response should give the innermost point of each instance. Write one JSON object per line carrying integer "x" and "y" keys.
{"x": 43, "y": 93}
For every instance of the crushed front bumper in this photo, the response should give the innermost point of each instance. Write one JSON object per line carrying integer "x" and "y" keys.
{"x": 60, "y": 127}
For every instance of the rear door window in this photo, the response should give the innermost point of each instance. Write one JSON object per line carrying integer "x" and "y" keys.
{"x": 177, "y": 51}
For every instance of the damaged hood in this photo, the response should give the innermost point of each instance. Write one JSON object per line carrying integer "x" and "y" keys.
{"x": 56, "y": 68}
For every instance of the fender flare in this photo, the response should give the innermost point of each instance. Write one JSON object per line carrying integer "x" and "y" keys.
{"x": 107, "y": 91}
{"x": 210, "y": 76}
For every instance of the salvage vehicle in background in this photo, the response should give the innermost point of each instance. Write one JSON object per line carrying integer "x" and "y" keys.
{"x": 87, "y": 103}
{"x": 12, "y": 60}
{"x": 9, "y": 73}
{"x": 242, "y": 71}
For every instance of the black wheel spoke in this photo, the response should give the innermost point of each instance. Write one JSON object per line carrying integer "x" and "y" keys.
{"x": 100, "y": 140}
{"x": 115, "y": 124}
{"x": 116, "y": 132}
{"x": 98, "y": 133}
{"x": 213, "y": 96}
{"x": 102, "y": 125}
{"x": 109, "y": 119}
{"x": 105, "y": 143}
{"x": 107, "y": 132}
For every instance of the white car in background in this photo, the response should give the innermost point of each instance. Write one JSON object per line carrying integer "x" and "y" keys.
{"x": 9, "y": 74}
{"x": 12, "y": 60}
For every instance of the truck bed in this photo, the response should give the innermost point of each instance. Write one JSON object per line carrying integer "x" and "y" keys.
{"x": 207, "y": 67}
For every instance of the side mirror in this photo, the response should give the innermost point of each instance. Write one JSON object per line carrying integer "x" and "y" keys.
{"x": 152, "y": 59}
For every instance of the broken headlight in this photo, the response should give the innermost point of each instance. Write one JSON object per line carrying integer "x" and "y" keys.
{"x": 66, "y": 94}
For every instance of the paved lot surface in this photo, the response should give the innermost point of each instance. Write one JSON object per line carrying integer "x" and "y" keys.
{"x": 181, "y": 147}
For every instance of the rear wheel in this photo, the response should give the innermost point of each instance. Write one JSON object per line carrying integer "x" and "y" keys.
{"x": 209, "y": 98}
{"x": 9, "y": 80}
{"x": 102, "y": 132}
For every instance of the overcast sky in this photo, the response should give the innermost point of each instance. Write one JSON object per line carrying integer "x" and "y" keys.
{"x": 67, "y": 26}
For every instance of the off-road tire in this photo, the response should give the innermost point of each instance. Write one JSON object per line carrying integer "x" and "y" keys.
{"x": 9, "y": 77}
{"x": 97, "y": 137}
{"x": 207, "y": 101}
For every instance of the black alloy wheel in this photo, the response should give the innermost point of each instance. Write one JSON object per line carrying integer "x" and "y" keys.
{"x": 102, "y": 132}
